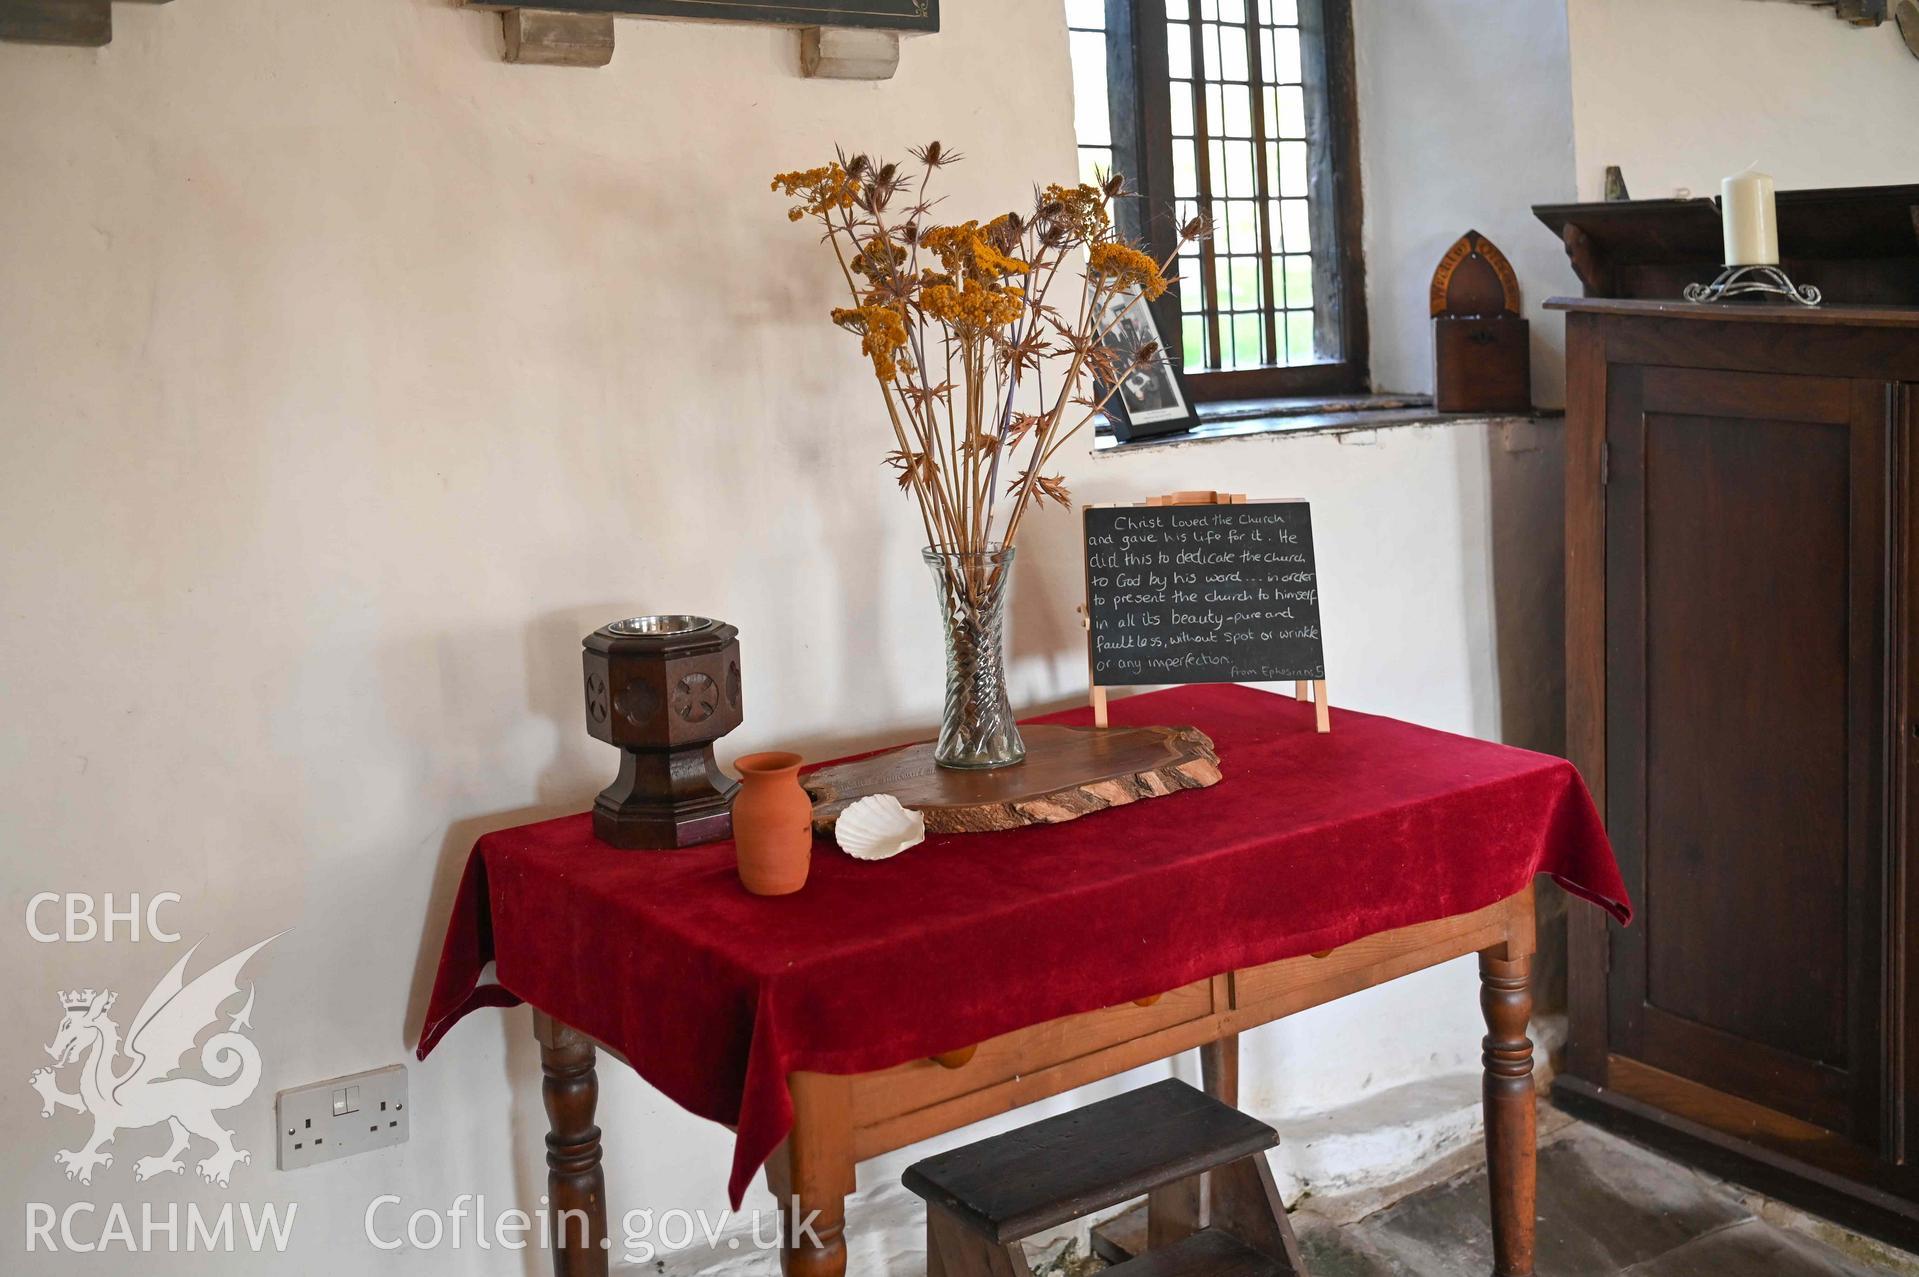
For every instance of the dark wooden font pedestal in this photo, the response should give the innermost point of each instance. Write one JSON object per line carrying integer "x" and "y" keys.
{"x": 663, "y": 689}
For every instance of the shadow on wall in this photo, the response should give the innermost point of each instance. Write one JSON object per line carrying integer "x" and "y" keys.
{"x": 1527, "y": 498}
{"x": 881, "y": 606}
{"x": 552, "y": 671}
{"x": 553, "y": 693}
{"x": 1046, "y": 633}
{"x": 1046, "y": 649}
{"x": 522, "y": 1057}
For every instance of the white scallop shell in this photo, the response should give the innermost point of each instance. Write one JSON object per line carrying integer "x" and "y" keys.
{"x": 877, "y": 826}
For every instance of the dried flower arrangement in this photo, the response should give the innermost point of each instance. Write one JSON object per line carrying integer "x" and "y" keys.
{"x": 958, "y": 318}
{"x": 960, "y": 325}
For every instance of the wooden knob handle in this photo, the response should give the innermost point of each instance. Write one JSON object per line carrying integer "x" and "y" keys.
{"x": 1323, "y": 953}
{"x": 1146, "y": 1002}
{"x": 956, "y": 1059}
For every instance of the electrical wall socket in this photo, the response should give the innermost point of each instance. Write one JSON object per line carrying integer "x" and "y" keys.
{"x": 341, "y": 1117}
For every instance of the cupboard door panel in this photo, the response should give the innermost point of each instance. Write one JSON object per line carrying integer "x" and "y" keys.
{"x": 1746, "y": 588}
{"x": 1745, "y": 732}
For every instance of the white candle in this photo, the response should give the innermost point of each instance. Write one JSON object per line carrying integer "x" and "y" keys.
{"x": 1751, "y": 219}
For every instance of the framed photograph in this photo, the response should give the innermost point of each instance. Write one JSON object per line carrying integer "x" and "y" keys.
{"x": 1152, "y": 400}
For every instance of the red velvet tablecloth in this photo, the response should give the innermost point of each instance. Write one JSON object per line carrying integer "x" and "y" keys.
{"x": 1308, "y": 842}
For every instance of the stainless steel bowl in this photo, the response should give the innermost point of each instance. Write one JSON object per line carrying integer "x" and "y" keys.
{"x": 660, "y": 625}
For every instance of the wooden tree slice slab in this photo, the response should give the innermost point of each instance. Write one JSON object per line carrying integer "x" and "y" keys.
{"x": 1068, "y": 772}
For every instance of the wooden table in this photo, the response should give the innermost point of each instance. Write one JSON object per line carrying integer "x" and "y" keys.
{"x": 840, "y": 1121}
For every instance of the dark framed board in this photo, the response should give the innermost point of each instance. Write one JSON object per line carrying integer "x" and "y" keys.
{"x": 1199, "y": 588}
{"x": 889, "y": 15}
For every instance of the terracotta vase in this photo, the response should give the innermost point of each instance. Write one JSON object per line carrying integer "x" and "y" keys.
{"x": 772, "y": 824}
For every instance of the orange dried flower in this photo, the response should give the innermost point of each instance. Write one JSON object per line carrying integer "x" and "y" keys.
{"x": 819, "y": 190}
{"x": 1122, "y": 266}
{"x": 963, "y": 250}
{"x": 878, "y": 259}
{"x": 974, "y": 308}
{"x": 1077, "y": 211}
{"x": 882, "y": 333}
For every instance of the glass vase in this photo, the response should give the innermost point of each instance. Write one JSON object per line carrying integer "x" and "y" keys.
{"x": 977, "y": 731}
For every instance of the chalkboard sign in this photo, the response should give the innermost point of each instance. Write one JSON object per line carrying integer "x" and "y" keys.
{"x": 1202, "y": 594}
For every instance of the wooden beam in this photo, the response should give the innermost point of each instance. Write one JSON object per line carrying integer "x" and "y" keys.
{"x": 84, "y": 23}
{"x": 1860, "y": 13}
{"x": 1863, "y": 13}
{"x": 883, "y": 15}
{"x": 848, "y": 53}
{"x": 543, "y": 37}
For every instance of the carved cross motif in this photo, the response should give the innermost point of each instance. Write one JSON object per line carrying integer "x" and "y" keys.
{"x": 636, "y": 703}
{"x": 695, "y": 697}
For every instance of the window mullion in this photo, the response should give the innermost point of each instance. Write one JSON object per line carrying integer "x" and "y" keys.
{"x": 1330, "y": 276}
{"x": 1203, "y": 177}
{"x": 1273, "y": 305}
{"x": 1154, "y": 211}
{"x": 1125, "y": 80}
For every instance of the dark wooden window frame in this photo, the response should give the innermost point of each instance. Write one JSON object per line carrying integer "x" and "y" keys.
{"x": 1139, "y": 86}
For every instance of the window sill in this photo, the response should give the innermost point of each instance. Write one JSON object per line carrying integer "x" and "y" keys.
{"x": 1239, "y": 419}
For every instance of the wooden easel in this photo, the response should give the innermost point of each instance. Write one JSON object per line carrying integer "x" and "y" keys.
{"x": 1313, "y": 690}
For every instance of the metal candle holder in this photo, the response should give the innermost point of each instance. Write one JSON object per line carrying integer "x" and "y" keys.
{"x": 1753, "y": 281}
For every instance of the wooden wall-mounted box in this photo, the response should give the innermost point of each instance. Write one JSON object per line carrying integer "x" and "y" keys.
{"x": 1482, "y": 363}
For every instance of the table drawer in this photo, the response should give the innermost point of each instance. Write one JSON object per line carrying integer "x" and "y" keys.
{"x": 1282, "y": 988}
{"x": 1014, "y": 1068}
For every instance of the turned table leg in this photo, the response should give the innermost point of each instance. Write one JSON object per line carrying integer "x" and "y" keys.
{"x": 575, "y": 1184}
{"x": 1219, "y": 1069}
{"x": 1505, "y": 995}
{"x": 1182, "y": 1208}
{"x": 812, "y": 1176}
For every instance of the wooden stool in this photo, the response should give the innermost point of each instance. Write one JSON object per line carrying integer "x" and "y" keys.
{"x": 1176, "y": 1146}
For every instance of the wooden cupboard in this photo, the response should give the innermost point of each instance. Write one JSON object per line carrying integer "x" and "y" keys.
{"x": 1742, "y": 564}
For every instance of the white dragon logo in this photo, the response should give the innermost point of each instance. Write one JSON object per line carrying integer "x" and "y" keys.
{"x": 144, "y": 1093}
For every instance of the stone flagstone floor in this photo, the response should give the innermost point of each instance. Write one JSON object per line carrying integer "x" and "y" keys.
{"x": 1607, "y": 1208}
